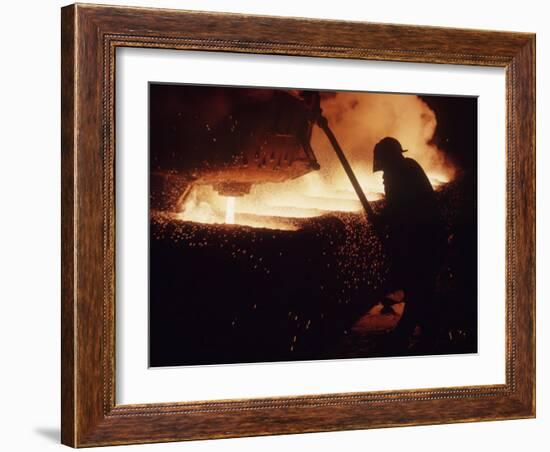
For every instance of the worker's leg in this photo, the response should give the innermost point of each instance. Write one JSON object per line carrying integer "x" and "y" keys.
{"x": 419, "y": 311}
{"x": 409, "y": 319}
{"x": 428, "y": 319}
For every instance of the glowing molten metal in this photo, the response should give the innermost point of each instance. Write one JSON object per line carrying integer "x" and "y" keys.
{"x": 230, "y": 210}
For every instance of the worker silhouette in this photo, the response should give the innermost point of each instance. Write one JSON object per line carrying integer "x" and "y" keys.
{"x": 413, "y": 239}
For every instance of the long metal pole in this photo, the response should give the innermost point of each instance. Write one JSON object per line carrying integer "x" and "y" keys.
{"x": 323, "y": 124}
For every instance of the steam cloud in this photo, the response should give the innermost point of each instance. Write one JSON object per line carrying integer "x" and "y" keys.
{"x": 360, "y": 120}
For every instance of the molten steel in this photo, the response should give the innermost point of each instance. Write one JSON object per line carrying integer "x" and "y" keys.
{"x": 230, "y": 210}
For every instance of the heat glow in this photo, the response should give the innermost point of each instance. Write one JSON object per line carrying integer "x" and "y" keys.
{"x": 230, "y": 210}
{"x": 359, "y": 121}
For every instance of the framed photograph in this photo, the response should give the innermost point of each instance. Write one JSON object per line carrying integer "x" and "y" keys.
{"x": 281, "y": 225}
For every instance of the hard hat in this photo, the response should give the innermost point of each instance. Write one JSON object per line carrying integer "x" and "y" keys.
{"x": 386, "y": 152}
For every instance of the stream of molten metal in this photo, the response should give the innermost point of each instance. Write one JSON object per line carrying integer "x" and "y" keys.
{"x": 230, "y": 210}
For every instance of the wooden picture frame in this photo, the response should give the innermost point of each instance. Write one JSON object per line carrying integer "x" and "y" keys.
{"x": 90, "y": 36}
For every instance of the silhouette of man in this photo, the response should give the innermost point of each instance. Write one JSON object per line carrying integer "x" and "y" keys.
{"x": 413, "y": 239}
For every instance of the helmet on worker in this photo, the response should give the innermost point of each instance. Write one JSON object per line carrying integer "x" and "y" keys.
{"x": 387, "y": 154}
